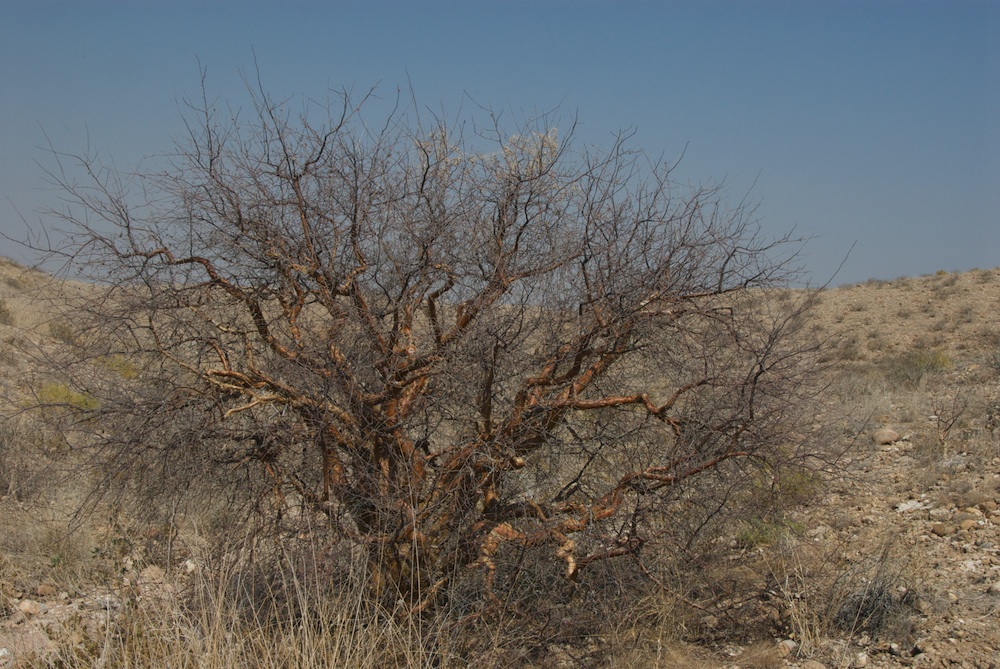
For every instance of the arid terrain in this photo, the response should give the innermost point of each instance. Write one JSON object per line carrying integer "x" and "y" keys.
{"x": 891, "y": 560}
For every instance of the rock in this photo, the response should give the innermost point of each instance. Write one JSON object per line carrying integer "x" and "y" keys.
{"x": 994, "y": 588}
{"x": 103, "y": 603}
{"x": 30, "y": 607}
{"x": 910, "y": 505}
{"x": 860, "y": 661}
{"x": 45, "y": 590}
{"x": 787, "y": 647}
{"x": 968, "y": 524}
{"x": 885, "y": 436}
{"x": 811, "y": 664}
{"x": 942, "y": 529}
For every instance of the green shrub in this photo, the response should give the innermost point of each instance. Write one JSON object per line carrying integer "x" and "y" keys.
{"x": 759, "y": 531}
{"x": 59, "y": 394}
{"x": 120, "y": 365}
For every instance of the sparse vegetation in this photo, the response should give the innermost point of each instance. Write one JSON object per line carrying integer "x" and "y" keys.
{"x": 63, "y": 332}
{"x": 58, "y": 394}
{"x": 910, "y": 368}
{"x": 6, "y": 318}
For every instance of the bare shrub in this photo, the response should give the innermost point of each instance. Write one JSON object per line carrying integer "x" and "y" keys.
{"x": 455, "y": 353}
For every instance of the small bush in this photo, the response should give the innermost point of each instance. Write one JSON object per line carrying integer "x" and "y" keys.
{"x": 850, "y": 348}
{"x": 880, "y": 607}
{"x": 54, "y": 393}
{"x": 993, "y": 361}
{"x": 63, "y": 332}
{"x": 911, "y": 367}
{"x": 18, "y": 479}
{"x": 119, "y": 365}
{"x": 6, "y": 318}
{"x": 758, "y": 532}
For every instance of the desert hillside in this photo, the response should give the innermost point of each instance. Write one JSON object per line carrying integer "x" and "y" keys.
{"x": 888, "y": 557}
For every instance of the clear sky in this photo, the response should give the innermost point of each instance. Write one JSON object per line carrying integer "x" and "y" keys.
{"x": 873, "y": 124}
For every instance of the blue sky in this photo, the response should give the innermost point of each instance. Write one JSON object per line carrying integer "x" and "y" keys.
{"x": 873, "y": 124}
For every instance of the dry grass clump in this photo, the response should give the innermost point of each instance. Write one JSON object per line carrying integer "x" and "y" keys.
{"x": 315, "y": 631}
{"x": 281, "y": 611}
{"x": 827, "y": 595}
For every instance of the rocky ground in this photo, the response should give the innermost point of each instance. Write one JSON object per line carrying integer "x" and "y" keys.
{"x": 894, "y": 563}
{"x": 917, "y": 364}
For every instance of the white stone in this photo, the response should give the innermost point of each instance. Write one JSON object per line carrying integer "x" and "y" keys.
{"x": 910, "y": 505}
{"x": 787, "y": 647}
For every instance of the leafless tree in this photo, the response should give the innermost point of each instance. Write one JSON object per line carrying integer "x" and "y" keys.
{"x": 441, "y": 339}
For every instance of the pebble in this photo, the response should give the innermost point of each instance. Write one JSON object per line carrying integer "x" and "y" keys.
{"x": 860, "y": 661}
{"x": 787, "y": 647}
{"x": 938, "y": 514}
{"x": 942, "y": 529}
{"x": 910, "y": 505}
{"x": 994, "y": 588}
{"x": 812, "y": 664}
{"x": 45, "y": 590}
{"x": 103, "y": 602}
